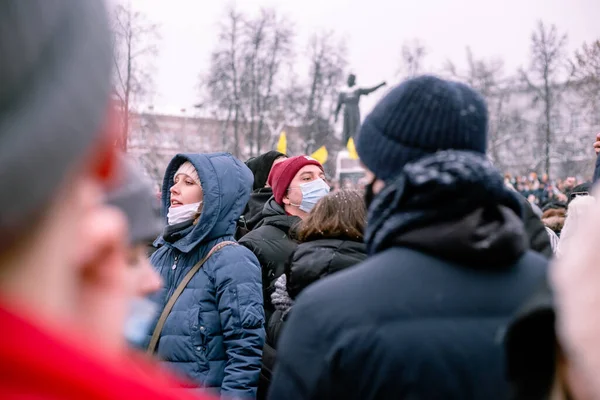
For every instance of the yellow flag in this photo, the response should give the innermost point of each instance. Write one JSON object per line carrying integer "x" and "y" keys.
{"x": 321, "y": 155}
{"x": 352, "y": 150}
{"x": 282, "y": 144}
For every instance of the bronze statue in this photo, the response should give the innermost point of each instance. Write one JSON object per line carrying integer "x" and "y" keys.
{"x": 350, "y": 99}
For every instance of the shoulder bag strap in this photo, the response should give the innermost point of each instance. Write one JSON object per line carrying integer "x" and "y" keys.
{"x": 169, "y": 306}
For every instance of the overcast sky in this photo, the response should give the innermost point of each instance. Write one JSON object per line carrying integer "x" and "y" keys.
{"x": 374, "y": 29}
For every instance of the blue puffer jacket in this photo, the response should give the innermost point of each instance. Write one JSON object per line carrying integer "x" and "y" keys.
{"x": 215, "y": 332}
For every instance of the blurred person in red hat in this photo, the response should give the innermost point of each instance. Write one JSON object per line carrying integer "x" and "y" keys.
{"x": 66, "y": 281}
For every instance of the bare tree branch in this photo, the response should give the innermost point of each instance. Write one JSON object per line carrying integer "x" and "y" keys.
{"x": 133, "y": 38}
{"x": 547, "y": 58}
{"x": 413, "y": 54}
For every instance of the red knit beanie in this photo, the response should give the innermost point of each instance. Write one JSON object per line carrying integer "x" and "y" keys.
{"x": 283, "y": 173}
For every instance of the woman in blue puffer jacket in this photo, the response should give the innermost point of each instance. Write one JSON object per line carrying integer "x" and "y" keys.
{"x": 215, "y": 332}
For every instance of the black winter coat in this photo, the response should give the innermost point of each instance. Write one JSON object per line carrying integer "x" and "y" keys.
{"x": 536, "y": 232}
{"x": 271, "y": 243}
{"x": 531, "y": 350}
{"x": 316, "y": 259}
{"x": 253, "y": 212}
{"x": 423, "y": 317}
{"x": 403, "y": 325}
{"x": 310, "y": 262}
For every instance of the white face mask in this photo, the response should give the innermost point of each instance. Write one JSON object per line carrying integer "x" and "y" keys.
{"x": 182, "y": 213}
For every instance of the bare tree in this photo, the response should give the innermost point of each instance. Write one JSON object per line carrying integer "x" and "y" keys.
{"x": 253, "y": 57}
{"x": 242, "y": 84}
{"x": 586, "y": 79}
{"x": 487, "y": 77}
{"x": 220, "y": 85}
{"x": 135, "y": 45}
{"x": 543, "y": 79}
{"x": 413, "y": 54}
{"x": 151, "y": 158}
{"x": 268, "y": 45}
{"x": 580, "y": 107}
{"x": 327, "y": 56}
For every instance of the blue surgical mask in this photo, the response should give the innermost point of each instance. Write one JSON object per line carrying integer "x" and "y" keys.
{"x": 142, "y": 313}
{"x": 312, "y": 192}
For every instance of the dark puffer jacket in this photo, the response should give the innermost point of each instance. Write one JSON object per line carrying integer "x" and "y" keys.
{"x": 534, "y": 227}
{"x": 423, "y": 317}
{"x": 253, "y": 212}
{"x": 310, "y": 262}
{"x": 215, "y": 333}
{"x": 316, "y": 259}
{"x": 270, "y": 241}
{"x": 531, "y": 347}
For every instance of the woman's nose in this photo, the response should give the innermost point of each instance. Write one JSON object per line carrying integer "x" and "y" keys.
{"x": 174, "y": 189}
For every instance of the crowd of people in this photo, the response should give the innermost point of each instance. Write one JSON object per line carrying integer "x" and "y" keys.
{"x": 255, "y": 279}
{"x": 542, "y": 191}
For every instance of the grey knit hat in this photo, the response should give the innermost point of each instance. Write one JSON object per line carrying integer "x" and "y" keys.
{"x": 55, "y": 82}
{"x": 135, "y": 198}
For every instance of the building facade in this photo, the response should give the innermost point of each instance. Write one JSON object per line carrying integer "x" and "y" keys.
{"x": 155, "y": 138}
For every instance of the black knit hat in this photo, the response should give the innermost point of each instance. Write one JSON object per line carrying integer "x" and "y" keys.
{"x": 419, "y": 117}
{"x": 261, "y": 167}
{"x": 582, "y": 189}
{"x": 55, "y": 82}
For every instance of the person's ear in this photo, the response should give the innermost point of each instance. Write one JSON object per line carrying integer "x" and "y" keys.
{"x": 286, "y": 200}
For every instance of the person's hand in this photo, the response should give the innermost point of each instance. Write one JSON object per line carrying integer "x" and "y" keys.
{"x": 575, "y": 278}
{"x": 597, "y": 144}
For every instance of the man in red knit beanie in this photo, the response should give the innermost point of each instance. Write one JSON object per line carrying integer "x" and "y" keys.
{"x": 297, "y": 183}
{"x": 286, "y": 179}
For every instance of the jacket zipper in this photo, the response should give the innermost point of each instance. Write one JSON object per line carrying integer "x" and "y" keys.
{"x": 172, "y": 276}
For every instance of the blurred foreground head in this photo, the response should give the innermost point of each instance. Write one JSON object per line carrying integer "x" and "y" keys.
{"x": 575, "y": 278}
{"x": 134, "y": 197}
{"x": 55, "y": 68}
{"x": 61, "y": 245}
